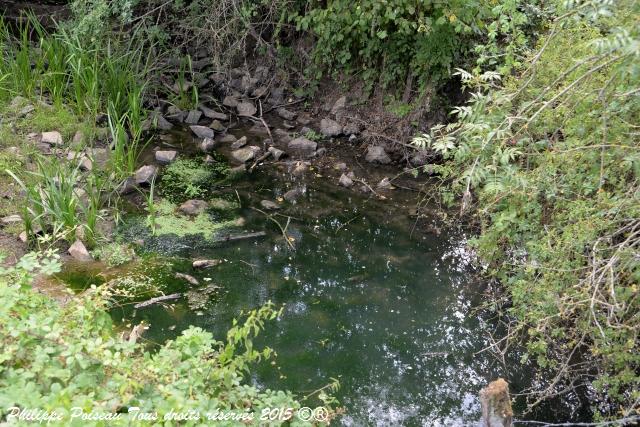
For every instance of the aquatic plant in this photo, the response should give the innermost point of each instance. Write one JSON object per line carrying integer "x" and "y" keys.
{"x": 191, "y": 178}
{"x": 168, "y": 221}
{"x": 114, "y": 254}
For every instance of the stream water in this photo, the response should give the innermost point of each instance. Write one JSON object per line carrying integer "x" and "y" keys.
{"x": 369, "y": 299}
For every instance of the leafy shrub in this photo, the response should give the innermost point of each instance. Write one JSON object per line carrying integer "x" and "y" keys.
{"x": 56, "y": 358}
{"x": 553, "y": 163}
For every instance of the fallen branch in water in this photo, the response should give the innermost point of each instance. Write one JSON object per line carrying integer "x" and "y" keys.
{"x": 157, "y": 300}
{"x": 233, "y": 237}
{"x": 283, "y": 230}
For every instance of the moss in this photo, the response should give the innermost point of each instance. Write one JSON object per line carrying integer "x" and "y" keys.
{"x": 168, "y": 222}
{"x": 190, "y": 178}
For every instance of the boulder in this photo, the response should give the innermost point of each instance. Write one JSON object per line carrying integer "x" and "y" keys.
{"x": 303, "y": 146}
{"x": 345, "y": 181}
{"x": 193, "y": 117}
{"x": 207, "y": 145}
{"x": 330, "y": 127}
{"x": 212, "y": 114}
{"x": 145, "y": 174}
{"x": 217, "y": 126}
{"x": 166, "y": 156}
{"x": 376, "y": 154}
{"x": 246, "y": 154}
{"x": 202, "y": 131}
{"x": 230, "y": 101}
{"x": 79, "y": 252}
{"x": 193, "y": 207}
{"x": 269, "y": 205}
{"x": 339, "y": 105}
{"x": 53, "y": 138}
{"x": 239, "y": 143}
{"x": 246, "y": 109}
{"x": 286, "y": 114}
{"x": 276, "y": 153}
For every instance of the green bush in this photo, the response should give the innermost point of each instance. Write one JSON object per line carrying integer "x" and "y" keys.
{"x": 54, "y": 358}
{"x": 549, "y": 163}
{"x": 426, "y": 39}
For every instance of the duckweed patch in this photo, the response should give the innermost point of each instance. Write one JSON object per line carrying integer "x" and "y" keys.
{"x": 187, "y": 179}
{"x": 168, "y": 222}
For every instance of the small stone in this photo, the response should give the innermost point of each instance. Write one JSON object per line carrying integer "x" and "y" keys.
{"x": 23, "y": 237}
{"x": 292, "y": 195}
{"x": 208, "y": 159}
{"x": 385, "y": 184}
{"x": 339, "y": 105}
{"x": 176, "y": 114}
{"x": 11, "y": 219}
{"x": 246, "y": 154}
{"x": 288, "y": 125}
{"x": 217, "y": 126}
{"x": 269, "y": 205}
{"x": 78, "y": 137}
{"x": 239, "y": 143}
{"x": 246, "y": 109}
{"x": 79, "y": 252}
{"x": 53, "y": 138}
{"x": 127, "y": 187}
{"x": 230, "y": 101}
{"x": 340, "y": 166}
{"x": 259, "y": 92}
{"x": 300, "y": 168}
{"x": 345, "y": 181}
{"x": 321, "y": 152}
{"x": 207, "y": 145}
{"x": 248, "y": 84}
{"x": 192, "y": 280}
{"x": 212, "y": 114}
{"x": 193, "y": 117}
{"x": 228, "y": 138}
{"x": 85, "y": 164}
{"x": 206, "y": 263}
{"x": 282, "y": 136}
{"x": 376, "y": 154}
{"x": 202, "y": 131}
{"x": 166, "y": 156}
{"x": 258, "y": 129}
{"x": 304, "y": 119}
{"x": 303, "y": 146}
{"x": 26, "y": 110}
{"x": 193, "y": 207}
{"x": 161, "y": 123}
{"x": 145, "y": 174}
{"x": 330, "y": 128}
{"x": 286, "y": 114}
{"x": 100, "y": 156}
{"x": 352, "y": 129}
{"x": 276, "y": 153}
{"x": 182, "y": 86}
{"x": 18, "y": 101}
{"x": 238, "y": 170}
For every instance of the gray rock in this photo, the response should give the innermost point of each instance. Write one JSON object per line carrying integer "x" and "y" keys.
{"x": 258, "y": 129}
{"x": 193, "y": 207}
{"x": 276, "y": 153}
{"x": 26, "y": 110}
{"x": 293, "y": 194}
{"x": 79, "y": 252}
{"x": 321, "y": 152}
{"x": 288, "y": 125}
{"x": 228, "y": 138}
{"x": 330, "y": 127}
{"x": 85, "y": 164}
{"x": 212, "y": 114}
{"x": 246, "y": 109}
{"x": 376, "y": 154}
{"x": 176, "y": 114}
{"x": 260, "y": 92}
{"x": 127, "y": 187}
{"x": 286, "y": 114}
{"x": 218, "y": 78}
{"x": 166, "y": 156}
{"x": 208, "y": 159}
{"x": 161, "y": 123}
{"x": 345, "y": 181}
{"x": 78, "y": 137}
{"x": 304, "y": 119}
{"x": 11, "y": 219}
{"x": 202, "y": 131}
{"x": 261, "y": 73}
{"x": 352, "y": 129}
{"x": 300, "y": 168}
{"x": 340, "y": 166}
{"x": 339, "y": 105}
{"x": 53, "y": 138}
{"x": 207, "y": 145}
{"x": 303, "y": 146}
{"x": 238, "y": 170}
{"x": 206, "y": 263}
{"x": 217, "y": 126}
{"x": 100, "y": 156}
{"x": 182, "y": 86}
{"x": 246, "y": 154}
{"x": 282, "y": 136}
{"x": 269, "y": 205}
{"x": 193, "y": 117}
{"x": 230, "y": 101}
{"x": 248, "y": 84}
{"x": 239, "y": 143}
{"x": 18, "y": 101}
{"x": 145, "y": 174}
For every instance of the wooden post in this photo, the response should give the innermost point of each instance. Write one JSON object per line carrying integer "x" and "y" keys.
{"x": 496, "y": 404}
